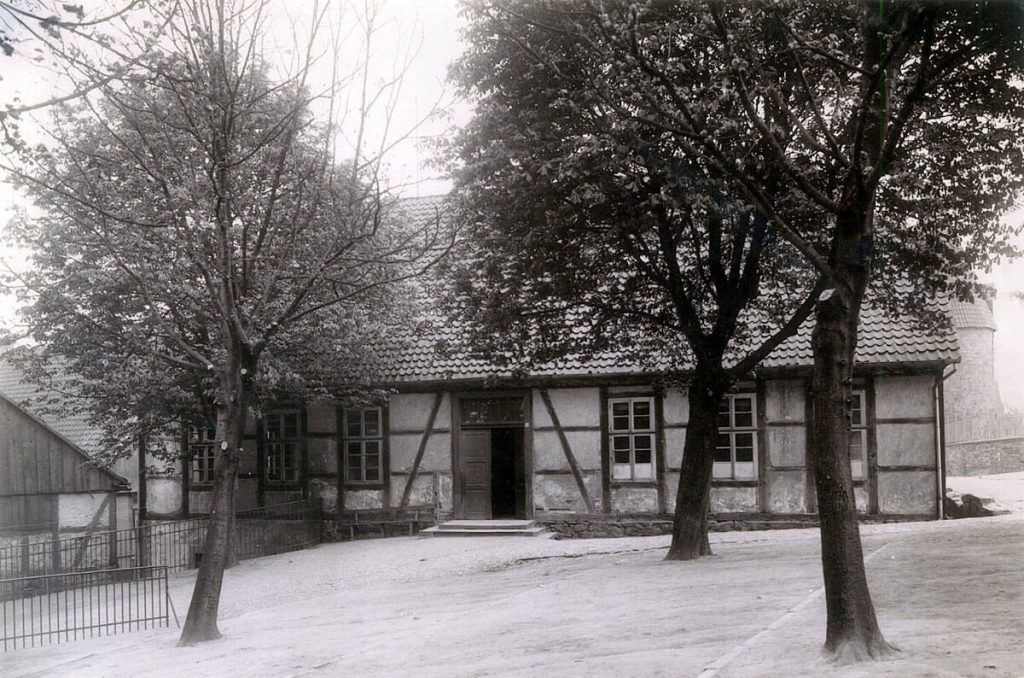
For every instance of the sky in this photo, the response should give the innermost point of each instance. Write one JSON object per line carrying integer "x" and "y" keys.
{"x": 434, "y": 26}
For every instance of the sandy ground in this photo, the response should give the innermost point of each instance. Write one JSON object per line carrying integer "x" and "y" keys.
{"x": 949, "y": 594}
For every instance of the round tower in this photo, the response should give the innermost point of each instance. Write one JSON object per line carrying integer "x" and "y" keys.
{"x": 971, "y": 393}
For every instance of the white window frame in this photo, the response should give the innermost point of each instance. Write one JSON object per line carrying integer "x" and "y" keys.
{"x": 632, "y": 471}
{"x": 733, "y": 469}
{"x": 356, "y": 442}
{"x": 859, "y": 430}
{"x": 281, "y": 450}
{"x": 202, "y": 454}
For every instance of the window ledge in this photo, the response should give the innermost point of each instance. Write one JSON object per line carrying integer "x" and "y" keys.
{"x": 634, "y": 483}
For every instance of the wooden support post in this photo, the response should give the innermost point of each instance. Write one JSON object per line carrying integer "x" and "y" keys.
{"x": 567, "y": 450}
{"x": 25, "y": 560}
{"x": 142, "y": 479}
{"x": 55, "y": 538}
{"x": 112, "y": 534}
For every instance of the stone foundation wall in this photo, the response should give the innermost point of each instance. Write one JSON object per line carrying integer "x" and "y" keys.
{"x": 594, "y": 526}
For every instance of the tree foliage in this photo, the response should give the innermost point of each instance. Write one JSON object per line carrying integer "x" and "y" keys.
{"x": 589, "y": 230}
{"x": 881, "y": 141}
{"x": 199, "y": 250}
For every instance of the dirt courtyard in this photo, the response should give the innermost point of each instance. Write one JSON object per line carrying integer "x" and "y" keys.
{"x": 949, "y": 594}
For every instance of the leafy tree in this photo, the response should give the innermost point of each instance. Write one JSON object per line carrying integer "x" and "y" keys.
{"x": 898, "y": 123}
{"x": 576, "y": 211}
{"x": 198, "y": 247}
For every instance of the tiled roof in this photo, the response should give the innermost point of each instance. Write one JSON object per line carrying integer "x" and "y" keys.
{"x": 881, "y": 341}
{"x": 75, "y": 428}
{"x": 422, "y": 210}
{"x": 972, "y": 314}
{"x": 434, "y": 356}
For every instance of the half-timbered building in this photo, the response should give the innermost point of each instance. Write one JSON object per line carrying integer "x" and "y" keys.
{"x": 597, "y": 440}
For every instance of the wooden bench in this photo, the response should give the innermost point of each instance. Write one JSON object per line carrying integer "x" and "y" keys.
{"x": 410, "y": 517}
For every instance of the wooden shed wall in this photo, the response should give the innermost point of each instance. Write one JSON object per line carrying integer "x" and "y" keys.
{"x": 35, "y": 460}
{"x": 28, "y": 512}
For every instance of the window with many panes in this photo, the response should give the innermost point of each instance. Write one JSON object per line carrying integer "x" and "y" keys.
{"x": 283, "y": 440}
{"x": 202, "y": 452}
{"x": 364, "y": 444}
{"x": 858, "y": 436}
{"x": 631, "y": 438}
{"x": 736, "y": 452}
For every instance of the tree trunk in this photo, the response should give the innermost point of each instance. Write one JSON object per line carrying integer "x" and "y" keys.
{"x": 853, "y": 633}
{"x": 201, "y": 622}
{"x": 690, "y": 523}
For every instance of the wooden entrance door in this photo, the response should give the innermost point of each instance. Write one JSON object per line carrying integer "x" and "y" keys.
{"x": 476, "y": 464}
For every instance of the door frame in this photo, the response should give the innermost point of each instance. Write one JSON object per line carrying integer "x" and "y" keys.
{"x": 458, "y": 475}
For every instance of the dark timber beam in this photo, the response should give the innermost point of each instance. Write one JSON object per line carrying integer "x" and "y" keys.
{"x": 568, "y": 450}
{"x": 422, "y": 448}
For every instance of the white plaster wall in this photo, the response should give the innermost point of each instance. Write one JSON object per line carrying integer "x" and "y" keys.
{"x": 675, "y": 443}
{"x": 363, "y": 499}
{"x": 860, "y": 498}
{"x": 787, "y": 445}
{"x": 410, "y": 411}
{"x": 573, "y": 406}
{"x": 549, "y": 455}
{"x": 163, "y": 496}
{"x": 786, "y": 492}
{"x": 906, "y": 444}
{"x": 635, "y": 499}
{"x": 321, "y": 418}
{"x": 77, "y": 510}
{"x": 559, "y": 492}
{"x": 676, "y": 406}
{"x": 784, "y": 400}
{"x": 423, "y": 490}
{"x": 907, "y": 492}
{"x": 436, "y": 457}
{"x": 125, "y": 510}
{"x": 903, "y": 397}
{"x": 734, "y": 500}
{"x": 326, "y": 491}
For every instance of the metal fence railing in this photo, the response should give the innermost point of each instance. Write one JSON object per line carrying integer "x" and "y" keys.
{"x": 60, "y": 608}
{"x": 175, "y": 544}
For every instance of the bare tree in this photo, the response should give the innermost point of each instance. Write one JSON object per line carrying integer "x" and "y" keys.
{"x": 200, "y": 244}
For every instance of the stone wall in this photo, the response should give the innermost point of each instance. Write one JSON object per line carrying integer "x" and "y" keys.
{"x": 596, "y": 526}
{"x": 984, "y": 457}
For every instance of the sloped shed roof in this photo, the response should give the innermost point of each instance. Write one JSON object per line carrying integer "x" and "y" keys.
{"x": 34, "y": 458}
{"x": 75, "y": 428}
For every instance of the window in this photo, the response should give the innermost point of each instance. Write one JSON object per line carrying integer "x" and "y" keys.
{"x": 202, "y": 452}
{"x": 632, "y": 438}
{"x": 282, "y": 432}
{"x": 858, "y": 436}
{"x": 363, "y": 445}
{"x": 736, "y": 453}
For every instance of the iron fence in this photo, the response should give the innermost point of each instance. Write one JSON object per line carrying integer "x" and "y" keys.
{"x": 60, "y": 608}
{"x": 175, "y": 544}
